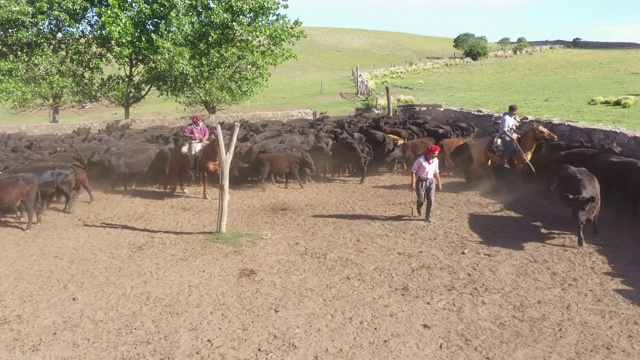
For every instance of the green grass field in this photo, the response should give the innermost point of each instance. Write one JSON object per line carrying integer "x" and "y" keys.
{"x": 555, "y": 84}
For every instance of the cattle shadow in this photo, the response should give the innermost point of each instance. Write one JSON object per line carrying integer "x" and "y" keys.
{"x": 540, "y": 209}
{"x": 509, "y": 232}
{"x": 14, "y": 224}
{"x": 368, "y": 217}
{"x": 147, "y": 194}
{"x": 151, "y": 231}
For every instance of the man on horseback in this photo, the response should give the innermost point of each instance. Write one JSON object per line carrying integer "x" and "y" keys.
{"x": 507, "y": 134}
{"x": 196, "y": 133}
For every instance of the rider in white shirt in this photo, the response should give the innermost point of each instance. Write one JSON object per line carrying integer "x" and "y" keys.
{"x": 508, "y": 124}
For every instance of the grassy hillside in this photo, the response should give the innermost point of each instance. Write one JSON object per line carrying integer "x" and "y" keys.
{"x": 555, "y": 84}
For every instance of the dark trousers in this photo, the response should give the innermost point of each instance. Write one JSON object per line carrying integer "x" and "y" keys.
{"x": 509, "y": 147}
{"x": 425, "y": 190}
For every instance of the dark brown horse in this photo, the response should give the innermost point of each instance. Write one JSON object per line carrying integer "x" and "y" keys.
{"x": 208, "y": 163}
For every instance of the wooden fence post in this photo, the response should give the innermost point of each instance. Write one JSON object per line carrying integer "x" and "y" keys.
{"x": 358, "y": 80}
{"x": 225, "y": 165}
{"x": 389, "y": 104}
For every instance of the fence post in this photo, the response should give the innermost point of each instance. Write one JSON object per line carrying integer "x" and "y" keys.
{"x": 358, "y": 80}
{"x": 389, "y": 104}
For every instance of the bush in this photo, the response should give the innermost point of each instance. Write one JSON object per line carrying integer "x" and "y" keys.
{"x": 596, "y": 100}
{"x": 477, "y": 50}
{"x": 403, "y": 99}
{"x": 626, "y": 103}
{"x": 631, "y": 99}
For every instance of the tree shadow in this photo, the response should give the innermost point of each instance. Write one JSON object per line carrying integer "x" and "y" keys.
{"x": 368, "y": 217}
{"x": 104, "y": 225}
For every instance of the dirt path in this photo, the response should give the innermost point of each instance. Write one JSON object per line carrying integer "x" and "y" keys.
{"x": 335, "y": 271}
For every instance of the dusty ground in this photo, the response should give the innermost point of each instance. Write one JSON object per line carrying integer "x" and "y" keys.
{"x": 335, "y": 271}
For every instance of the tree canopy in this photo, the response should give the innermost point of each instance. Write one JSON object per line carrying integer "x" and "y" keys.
{"x": 48, "y": 54}
{"x": 472, "y": 46}
{"x": 521, "y": 44}
{"x": 225, "y": 51}
{"x": 205, "y": 53}
{"x": 504, "y": 43}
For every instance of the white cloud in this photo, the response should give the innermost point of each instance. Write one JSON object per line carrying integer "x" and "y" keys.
{"x": 621, "y": 33}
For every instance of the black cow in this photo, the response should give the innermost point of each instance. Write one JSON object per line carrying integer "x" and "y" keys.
{"x": 53, "y": 178}
{"x": 351, "y": 153}
{"x": 579, "y": 189}
{"x": 127, "y": 165}
{"x": 20, "y": 190}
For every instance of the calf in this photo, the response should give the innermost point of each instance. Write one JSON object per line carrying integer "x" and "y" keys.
{"x": 53, "y": 178}
{"x": 579, "y": 189}
{"x": 282, "y": 163}
{"x": 20, "y": 190}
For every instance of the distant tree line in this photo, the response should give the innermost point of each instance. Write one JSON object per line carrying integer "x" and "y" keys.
{"x": 203, "y": 53}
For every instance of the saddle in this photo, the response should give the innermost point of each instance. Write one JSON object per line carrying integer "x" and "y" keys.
{"x": 185, "y": 149}
{"x": 495, "y": 145}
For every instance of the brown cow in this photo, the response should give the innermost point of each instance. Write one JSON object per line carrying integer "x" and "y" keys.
{"x": 18, "y": 190}
{"x": 282, "y": 163}
{"x": 579, "y": 189}
{"x": 447, "y": 146}
{"x": 411, "y": 150}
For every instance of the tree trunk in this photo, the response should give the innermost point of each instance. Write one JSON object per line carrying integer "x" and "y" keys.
{"x": 225, "y": 165}
{"x": 127, "y": 109}
{"x": 211, "y": 108}
{"x": 55, "y": 114}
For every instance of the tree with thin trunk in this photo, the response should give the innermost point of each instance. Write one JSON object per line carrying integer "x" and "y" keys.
{"x": 48, "y": 55}
{"x": 132, "y": 32}
{"x": 224, "y": 51}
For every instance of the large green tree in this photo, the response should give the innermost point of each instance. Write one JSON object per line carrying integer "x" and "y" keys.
{"x": 133, "y": 32}
{"x": 48, "y": 56}
{"x": 224, "y": 50}
{"x": 472, "y": 46}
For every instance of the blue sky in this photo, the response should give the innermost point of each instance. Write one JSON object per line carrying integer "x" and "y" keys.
{"x": 590, "y": 20}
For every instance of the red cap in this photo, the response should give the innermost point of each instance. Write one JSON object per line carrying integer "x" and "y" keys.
{"x": 432, "y": 149}
{"x": 197, "y": 118}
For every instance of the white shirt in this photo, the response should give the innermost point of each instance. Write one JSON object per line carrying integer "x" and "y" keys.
{"x": 424, "y": 169}
{"x": 507, "y": 122}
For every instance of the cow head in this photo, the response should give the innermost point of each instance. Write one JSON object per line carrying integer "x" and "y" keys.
{"x": 579, "y": 205}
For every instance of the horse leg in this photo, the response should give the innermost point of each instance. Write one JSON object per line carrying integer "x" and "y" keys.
{"x": 205, "y": 177}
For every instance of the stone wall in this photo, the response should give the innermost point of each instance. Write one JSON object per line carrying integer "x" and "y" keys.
{"x": 64, "y": 128}
{"x": 485, "y": 121}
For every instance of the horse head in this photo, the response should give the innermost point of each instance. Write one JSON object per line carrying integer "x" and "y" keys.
{"x": 542, "y": 133}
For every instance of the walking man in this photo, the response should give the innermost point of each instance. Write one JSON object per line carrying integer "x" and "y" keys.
{"x": 423, "y": 172}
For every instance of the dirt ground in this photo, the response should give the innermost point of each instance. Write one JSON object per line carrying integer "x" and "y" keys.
{"x": 335, "y": 271}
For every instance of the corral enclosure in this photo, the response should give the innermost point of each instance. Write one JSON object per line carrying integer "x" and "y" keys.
{"x": 335, "y": 270}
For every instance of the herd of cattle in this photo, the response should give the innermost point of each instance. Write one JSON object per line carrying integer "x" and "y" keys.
{"x": 37, "y": 168}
